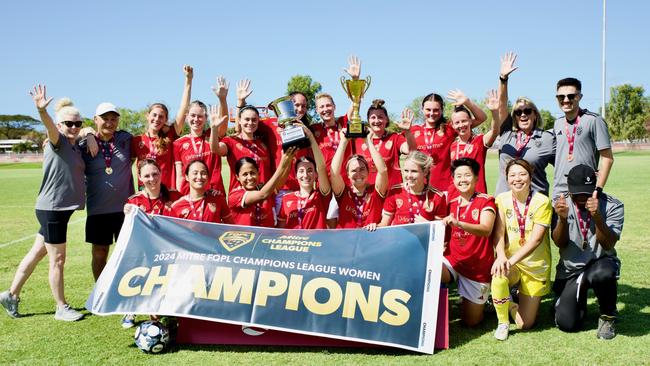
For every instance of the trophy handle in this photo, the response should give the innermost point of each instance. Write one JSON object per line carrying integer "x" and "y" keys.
{"x": 367, "y": 84}
{"x": 344, "y": 85}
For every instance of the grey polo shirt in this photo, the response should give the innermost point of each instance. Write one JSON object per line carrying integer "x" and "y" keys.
{"x": 107, "y": 193}
{"x": 591, "y": 137}
{"x": 539, "y": 152}
{"x": 62, "y": 187}
{"x": 573, "y": 258}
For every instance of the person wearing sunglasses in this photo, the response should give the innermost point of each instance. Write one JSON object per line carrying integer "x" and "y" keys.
{"x": 582, "y": 138}
{"x": 521, "y": 135}
{"x": 589, "y": 225}
{"x": 61, "y": 193}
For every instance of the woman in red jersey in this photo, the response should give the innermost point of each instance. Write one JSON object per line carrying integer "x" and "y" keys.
{"x": 360, "y": 203}
{"x": 414, "y": 200}
{"x": 157, "y": 141}
{"x": 434, "y": 138}
{"x": 469, "y": 255}
{"x": 307, "y": 207}
{"x": 390, "y": 145}
{"x": 155, "y": 198}
{"x": 251, "y": 203}
{"x": 201, "y": 203}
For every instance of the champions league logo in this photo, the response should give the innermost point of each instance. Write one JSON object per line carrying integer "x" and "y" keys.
{"x": 232, "y": 240}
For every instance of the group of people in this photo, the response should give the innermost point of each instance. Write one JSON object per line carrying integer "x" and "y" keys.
{"x": 496, "y": 244}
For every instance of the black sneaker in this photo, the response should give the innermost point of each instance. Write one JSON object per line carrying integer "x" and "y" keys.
{"x": 606, "y": 329}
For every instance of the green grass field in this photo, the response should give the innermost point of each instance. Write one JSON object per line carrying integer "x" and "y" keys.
{"x": 38, "y": 339}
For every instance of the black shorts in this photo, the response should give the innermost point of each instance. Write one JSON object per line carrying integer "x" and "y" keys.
{"x": 103, "y": 229}
{"x": 54, "y": 225}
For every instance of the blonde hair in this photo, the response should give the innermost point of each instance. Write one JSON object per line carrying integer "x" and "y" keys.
{"x": 324, "y": 95}
{"x": 529, "y": 103}
{"x": 64, "y": 107}
{"x": 425, "y": 162}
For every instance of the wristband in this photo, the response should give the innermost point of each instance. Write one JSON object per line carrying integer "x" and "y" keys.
{"x": 503, "y": 79}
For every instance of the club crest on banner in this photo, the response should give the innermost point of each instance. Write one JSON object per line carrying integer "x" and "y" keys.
{"x": 232, "y": 240}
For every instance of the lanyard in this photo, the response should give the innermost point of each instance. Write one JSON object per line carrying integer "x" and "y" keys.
{"x": 250, "y": 145}
{"x": 458, "y": 216}
{"x": 198, "y": 153}
{"x": 571, "y": 138}
{"x": 153, "y": 205}
{"x": 466, "y": 146}
{"x": 333, "y": 136}
{"x": 108, "y": 148}
{"x": 419, "y": 203}
{"x": 521, "y": 142}
{"x": 359, "y": 202}
{"x": 521, "y": 219}
{"x": 153, "y": 152}
{"x": 198, "y": 216}
{"x": 301, "y": 207}
{"x": 429, "y": 142}
{"x": 583, "y": 224}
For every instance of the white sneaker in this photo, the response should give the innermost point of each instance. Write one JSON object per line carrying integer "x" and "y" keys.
{"x": 67, "y": 314}
{"x": 10, "y": 303}
{"x": 128, "y": 321}
{"x": 502, "y": 331}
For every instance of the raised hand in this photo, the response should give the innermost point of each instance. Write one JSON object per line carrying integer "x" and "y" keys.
{"x": 508, "y": 64}
{"x": 215, "y": 119}
{"x": 592, "y": 204}
{"x": 492, "y": 101}
{"x": 354, "y": 67}
{"x": 221, "y": 89}
{"x": 39, "y": 94}
{"x": 561, "y": 207}
{"x": 243, "y": 90}
{"x": 450, "y": 220}
{"x": 501, "y": 267}
{"x": 188, "y": 71}
{"x": 457, "y": 97}
{"x": 407, "y": 120}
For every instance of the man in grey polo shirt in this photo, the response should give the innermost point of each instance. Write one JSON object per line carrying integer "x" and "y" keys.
{"x": 582, "y": 138}
{"x": 589, "y": 225}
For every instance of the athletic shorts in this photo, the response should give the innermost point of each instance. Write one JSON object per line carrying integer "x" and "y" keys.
{"x": 474, "y": 291}
{"x": 528, "y": 285}
{"x": 103, "y": 229}
{"x": 54, "y": 225}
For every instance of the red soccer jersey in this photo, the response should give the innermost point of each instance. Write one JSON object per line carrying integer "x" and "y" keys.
{"x": 476, "y": 150}
{"x": 403, "y": 206}
{"x": 256, "y": 149}
{"x": 436, "y": 144}
{"x": 154, "y": 206}
{"x": 328, "y": 139}
{"x": 356, "y": 211}
{"x": 188, "y": 148}
{"x": 470, "y": 255}
{"x": 389, "y": 148}
{"x": 144, "y": 147}
{"x": 211, "y": 208}
{"x": 259, "y": 214}
{"x": 307, "y": 213}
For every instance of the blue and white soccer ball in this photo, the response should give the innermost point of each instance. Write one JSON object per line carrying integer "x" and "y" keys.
{"x": 152, "y": 337}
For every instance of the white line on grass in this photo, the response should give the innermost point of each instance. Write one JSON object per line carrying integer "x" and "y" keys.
{"x": 34, "y": 235}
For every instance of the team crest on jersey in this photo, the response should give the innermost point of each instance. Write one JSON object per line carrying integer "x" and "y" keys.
{"x": 399, "y": 202}
{"x": 141, "y": 144}
{"x": 538, "y": 143}
{"x": 186, "y": 145}
{"x": 470, "y": 148}
{"x": 185, "y": 213}
{"x": 289, "y": 204}
{"x": 212, "y": 207}
{"x": 475, "y": 214}
{"x": 239, "y": 146}
{"x": 579, "y": 130}
{"x": 232, "y": 240}
{"x": 389, "y": 144}
{"x": 509, "y": 213}
{"x": 417, "y": 134}
{"x": 364, "y": 147}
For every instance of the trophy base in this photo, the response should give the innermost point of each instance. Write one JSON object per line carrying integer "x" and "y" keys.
{"x": 353, "y": 135}
{"x": 356, "y": 130}
{"x": 298, "y": 143}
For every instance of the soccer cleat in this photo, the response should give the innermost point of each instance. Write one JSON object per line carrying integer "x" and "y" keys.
{"x": 501, "y": 333}
{"x": 10, "y": 303}
{"x": 606, "y": 329}
{"x": 128, "y": 321}
{"x": 67, "y": 314}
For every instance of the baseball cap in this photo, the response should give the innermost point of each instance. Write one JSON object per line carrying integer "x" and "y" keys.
{"x": 581, "y": 180}
{"x": 105, "y": 108}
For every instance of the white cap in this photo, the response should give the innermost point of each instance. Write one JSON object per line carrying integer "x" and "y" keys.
{"x": 105, "y": 108}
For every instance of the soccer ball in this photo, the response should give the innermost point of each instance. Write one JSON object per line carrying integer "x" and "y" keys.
{"x": 151, "y": 337}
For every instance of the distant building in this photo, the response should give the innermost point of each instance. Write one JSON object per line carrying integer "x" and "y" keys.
{"x": 6, "y": 146}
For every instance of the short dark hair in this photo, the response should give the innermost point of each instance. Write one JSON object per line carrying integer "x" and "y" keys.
{"x": 304, "y": 159}
{"x": 522, "y": 163}
{"x": 196, "y": 161}
{"x": 569, "y": 82}
{"x": 294, "y": 93}
{"x": 465, "y": 161}
{"x": 245, "y": 160}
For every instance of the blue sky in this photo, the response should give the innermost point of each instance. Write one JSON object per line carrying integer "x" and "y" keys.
{"x": 131, "y": 52}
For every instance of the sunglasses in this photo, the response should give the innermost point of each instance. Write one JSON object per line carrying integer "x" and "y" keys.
{"x": 560, "y": 97}
{"x": 519, "y": 112}
{"x": 73, "y": 123}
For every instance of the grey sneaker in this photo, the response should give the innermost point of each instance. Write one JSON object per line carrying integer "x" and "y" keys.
{"x": 502, "y": 331}
{"x": 10, "y": 303}
{"x": 128, "y": 321}
{"x": 67, "y": 314}
{"x": 606, "y": 329}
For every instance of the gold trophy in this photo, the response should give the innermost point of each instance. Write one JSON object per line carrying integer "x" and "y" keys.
{"x": 355, "y": 90}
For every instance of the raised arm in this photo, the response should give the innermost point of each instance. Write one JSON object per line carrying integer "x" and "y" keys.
{"x": 216, "y": 123}
{"x": 606, "y": 163}
{"x": 492, "y": 103}
{"x": 560, "y": 233}
{"x": 39, "y": 95}
{"x": 405, "y": 125}
{"x": 604, "y": 235}
{"x": 381, "y": 180}
{"x": 277, "y": 180}
{"x": 185, "y": 99}
{"x": 507, "y": 67}
{"x": 243, "y": 91}
{"x": 321, "y": 168}
{"x": 221, "y": 91}
{"x": 458, "y": 98}
{"x": 336, "y": 180}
